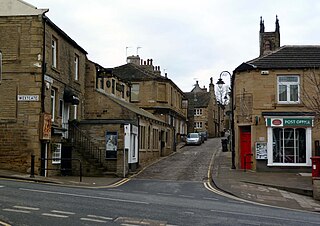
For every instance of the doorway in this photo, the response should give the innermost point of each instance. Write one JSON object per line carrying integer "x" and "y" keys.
{"x": 245, "y": 147}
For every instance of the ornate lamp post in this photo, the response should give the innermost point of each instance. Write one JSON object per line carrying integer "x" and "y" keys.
{"x": 220, "y": 84}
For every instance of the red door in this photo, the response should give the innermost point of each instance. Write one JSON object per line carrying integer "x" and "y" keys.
{"x": 245, "y": 148}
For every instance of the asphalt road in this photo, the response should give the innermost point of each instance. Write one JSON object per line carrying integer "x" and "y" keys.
{"x": 170, "y": 192}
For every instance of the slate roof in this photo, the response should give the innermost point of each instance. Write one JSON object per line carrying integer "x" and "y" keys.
{"x": 134, "y": 108}
{"x": 134, "y": 73}
{"x": 198, "y": 99}
{"x": 286, "y": 57}
{"x": 131, "y": 72}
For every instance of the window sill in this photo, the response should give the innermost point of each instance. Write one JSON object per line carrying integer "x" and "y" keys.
{"x": 55, "y": 69}
{"x": 289, "y": 104}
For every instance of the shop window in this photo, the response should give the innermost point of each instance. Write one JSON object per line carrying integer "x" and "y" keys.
{"x": 288, "y": 89}
{"x": 289, "y": 145}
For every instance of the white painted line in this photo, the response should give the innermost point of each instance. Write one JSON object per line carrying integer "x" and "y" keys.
{"x": 167, "y": 194}
{"x": 62, "y": 212}
{"x": 93, "y": 220}
{"x": 186, "y": 196}
{"x": 191, "y": 213}
{"x": 1, "y": 186}
{"x": 85, "y": 196}
{"x": 17, "y": 211}
{"x": 130, "y": 224}
{"x": 26, "y": 207}
{"x": 54, "y": 215}
{"x": 212, "y": 199}
{"x": 100, "y": 217}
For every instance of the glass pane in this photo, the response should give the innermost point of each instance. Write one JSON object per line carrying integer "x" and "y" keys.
{"x": 293, "y": 92}
{"x": 301, "y": 145}
{"x": 289, "y": 146}
{"x": 288, "y": 79}
{"x": 135, "y": 92}
{"x": 276, "y": 145}
{"x": 282, "y": 93}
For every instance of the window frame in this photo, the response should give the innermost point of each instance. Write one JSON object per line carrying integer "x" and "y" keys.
{"x": 54, "y": 51}
{"x": 270, "y": 143}
{"x": 76, "y": 67}
{"x": 53, "y": 103}
{"x": 288, "y": 85}
{"x": 198, "y": 111}
{"x": 56, "y": 153}
{"x": 135, "y": 91}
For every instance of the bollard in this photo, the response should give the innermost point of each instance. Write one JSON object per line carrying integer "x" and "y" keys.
{"x": 32, "y": 166}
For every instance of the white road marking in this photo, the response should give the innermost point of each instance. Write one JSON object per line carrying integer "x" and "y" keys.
{"x": 186, "y": 196}
{"x": 1, "y": 186}
{"x": 213, "y": 199}
{"x": 62, "y": 212}
{"x": 100, "y": 217}
{"x": 54, "y": 215}
{"x": 92, "y": 220}
{"x": 26, "y": 207}
{"x": 17, "y": 211}
{"x": 187, "y": 212}
{"x": 84, "y": 196}
{"x": 167, "y": 194}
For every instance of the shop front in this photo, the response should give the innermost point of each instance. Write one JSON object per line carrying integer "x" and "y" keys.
{"x": 289, "y": 140}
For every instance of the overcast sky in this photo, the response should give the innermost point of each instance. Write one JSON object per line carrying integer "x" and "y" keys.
{"x": 190, "y": 40}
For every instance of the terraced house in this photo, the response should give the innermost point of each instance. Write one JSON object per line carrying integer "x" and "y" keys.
{"x": 157, "y": 94}
{"x": 276, "y": 108}
{"x": 63, "y": 109}
{"x": 203, "y": 112}
{"x": 42, "y": 87}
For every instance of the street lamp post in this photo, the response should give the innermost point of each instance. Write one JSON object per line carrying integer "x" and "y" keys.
{"x": 220, "y": 84}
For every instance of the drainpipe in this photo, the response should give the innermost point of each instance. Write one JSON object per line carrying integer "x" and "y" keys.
{"x": 44, "y": 64}
{"x": 43, "y": 90}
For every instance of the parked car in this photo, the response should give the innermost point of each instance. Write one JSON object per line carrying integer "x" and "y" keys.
{"x": 205, "y": 135}
{"x": 201, "y": 137}
{"x": 193, "y": 139}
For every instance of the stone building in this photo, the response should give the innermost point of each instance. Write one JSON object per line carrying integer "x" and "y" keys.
{"x": 156, "y": 94}
{"x": 203, "y": 112}
{"x": 63, "y": 109}
{"x": 109, "y": 115}
{"x": 41, "y": 87}
{"x": 275, "y": 126}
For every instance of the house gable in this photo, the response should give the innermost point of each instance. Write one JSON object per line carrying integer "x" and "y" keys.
{"x": 19, "y": 8}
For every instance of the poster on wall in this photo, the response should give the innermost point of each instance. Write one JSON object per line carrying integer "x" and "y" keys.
{"x": 111, "y": 145}
{"x": 261, "y": 150}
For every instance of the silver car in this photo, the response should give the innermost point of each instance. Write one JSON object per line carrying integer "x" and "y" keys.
{"x": 193, "y": 139}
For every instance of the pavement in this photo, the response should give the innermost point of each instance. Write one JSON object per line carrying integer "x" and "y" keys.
{"x": 286, "y": 190}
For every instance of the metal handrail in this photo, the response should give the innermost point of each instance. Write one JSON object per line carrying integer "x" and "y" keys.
{"x": 79, "y": 139}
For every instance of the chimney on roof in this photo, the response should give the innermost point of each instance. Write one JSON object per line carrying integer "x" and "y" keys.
{"x": 133, "y": 60}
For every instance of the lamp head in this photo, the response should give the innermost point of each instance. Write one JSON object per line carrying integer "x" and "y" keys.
{"x": 220, "y": 83}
